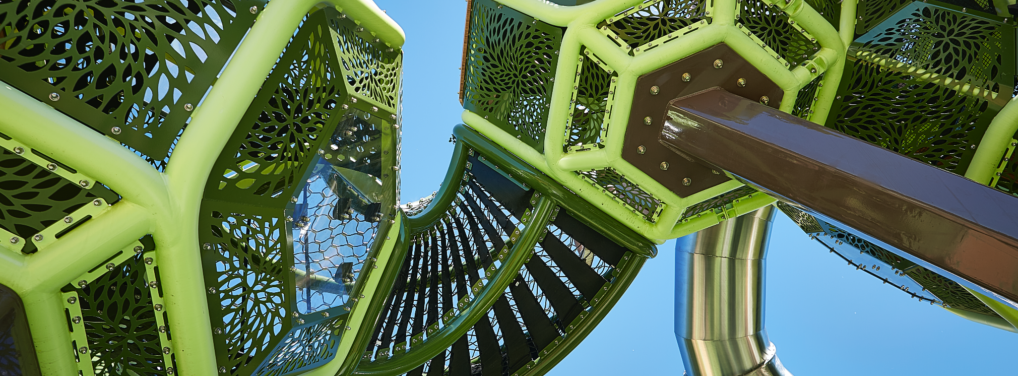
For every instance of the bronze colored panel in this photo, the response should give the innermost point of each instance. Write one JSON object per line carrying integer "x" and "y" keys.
{"x": 670, "y": 84}
{"x": 961, "y": 226}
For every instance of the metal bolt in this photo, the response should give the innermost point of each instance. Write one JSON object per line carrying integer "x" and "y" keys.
{"x": 68, "y": 219}
{"x": 51, "y": 167}
{"x": 115, "y": 130}
{"x": 741, "y": 82}
{"x": 83, "y": 183}
{"x": 188, "y": 107}
{"x": 648, "y": 121}
{"x": 148, "y": 261}
{"x": 37, "y": 237}
{"x": 973, "y": 147}
{"x": 718, "y": 64}
{"x": 110, "y": 266}
{"x": 218, "y": 331}
{"x": 76, "y": 319}
{"x": 166, "y": 350}
{"x": 82, "y": 284}
{"x": 641, "y": 149}
{"x": 812, "y": 70}
{"x": 153, "y": 284}
{"x": 96, "y": 202}
{"x": 139, "y": 249}
{"x": 253, "y": 9}
{"x": 158, "y": 307}
{"x": 19, "y": 150}
{"x": 15, "y": 240}
{"x": 54, "y": 97}
{"x": 654, "y": 90}
{"x": 222, "y": 369}
{"x": 765, "y": 100}
{"x": 83, "y": 350}
{"x": 686, "y": 77}
{"x": 72, "y": 300}
{"x": 687, "y": 181}
{"x": 664, "y": 166}
{"x": 162, "y": 329}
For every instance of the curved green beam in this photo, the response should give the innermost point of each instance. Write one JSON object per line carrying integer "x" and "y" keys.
{"x": 483, "y": 300}
{"x": 994, "y": 143}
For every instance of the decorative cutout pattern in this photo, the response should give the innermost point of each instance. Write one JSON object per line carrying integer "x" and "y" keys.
{"x": 806, "y": 222}
{"x": 630, "y": 194}
{"x": 830, "y": 9}
{"x": 773, "y": 26}
{"x": 120, "y": 321}
{"x": 32, "y": 198}
{"x": 719, "y": 202}
{"x": 510, "y": 70}
{"x": 303, "y": 349}
{"x": 591, "y": 105}
{"x": 648, "y": 22}
{"x": 950, "y": 292}
{"x": 247, "y": 276}
{"x": 807, "y": 98}
{"x": 129, "y": 65}
{"x": 369, "y": 72}
{"x": 295, "y": 107}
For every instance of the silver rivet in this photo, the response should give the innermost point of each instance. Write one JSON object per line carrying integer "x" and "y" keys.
{"x": 110, "y": 266}
{"x": 76, "y": 319}
{"x": 253, "y": 9}
{"x": 718, "y": 64}
{"x": 162, "y": 329}
{"x": 68, "y": 219}
{"x": 973, "y": 147}
{"x": 54, "y": 97}
{"x": 222, "y": 369}
{"x": 19, "y": 150}
{"x": 212, "y": 290}
{"x": 166, "y": 350}
{"x": 15, "y": 240}
{"x": 158, "y": 307}
{"x": 765, "y": 100}
{"x": 37, "y": 237}
{"x": 654, "y": 90}
{"x": 188, "y": 107}
{"x": 72, "y": 300}
{"x": 648, "y": 121}
{"x": 687, "y": 181}
{"x": 325, "y": 314}
{"x": 115, "y": 130}
{"x": 812, "y": 70}
{"x": 641, "y": 149}
{"x": 51, "y": 167}
{"x": 741, "y": 82}
{"x": 148, "y": 261}
{"x": 82, "y": 284}
{"x": 153, "y": 284}
{"x": 96, "y": 202}
{"x": 664, "y": 166}
{"x": 139, "y": 249}
{"x": 83, "y": 183}
{"x": 686, "y": 77}
{"x": 83, "y": 350}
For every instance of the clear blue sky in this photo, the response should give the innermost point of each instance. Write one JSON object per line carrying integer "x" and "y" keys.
{"x": 825, "y": 317}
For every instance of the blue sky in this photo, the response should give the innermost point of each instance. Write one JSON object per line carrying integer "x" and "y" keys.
{"x": 825, "y": 317}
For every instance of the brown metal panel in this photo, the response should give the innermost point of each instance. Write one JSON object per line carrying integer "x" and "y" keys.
{"x": 945, "y": 219}
{"x": 654, "y": 90}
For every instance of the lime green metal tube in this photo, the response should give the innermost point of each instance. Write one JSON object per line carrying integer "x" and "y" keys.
{"x": 496, "y": 286}
{"x": 65, "y": 139}
{"x": 366, "y": 13}
{"x": 994, "y": 143}
{"x": 52, "y": 340}
{"x": 1008, "y": 313}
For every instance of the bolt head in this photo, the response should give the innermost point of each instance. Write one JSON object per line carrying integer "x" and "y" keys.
{"x": 188, "y": 107}
{"x": 718, "y": 64}
{"x": 166, "y": 350}
{"x": 648, "y": 121}
{"x": 83, "y": 183}
{"x": 96, "y": 202}
{"x": 68, "y": 219}
{"x": 741, "y": 82}
{"x": 15, "y": 240}
{"x": 148, "y": 261}
{"x": 765, "y": 100}
{"x": 115, "y": 130}
{"x": 37, "y": 237}
{"x": 686, "y": 77}
{"x": 19, "y": 150}
{"x": 110, "y": 266}
{"x": 687, "y": 181}
{"x": 253, "y": 9}
{"x": 664, "y": 166}
{"x": 82, "y": 283}
{"x": 83, "y": 350}
{"x": 654, "y": 90}
{"x": 76, "y": 319}
{"x": 138, "y": 249}
{"x": 51, "y": 167}
{"x": 54, "y": 96}
{"x": 641, "y": 149}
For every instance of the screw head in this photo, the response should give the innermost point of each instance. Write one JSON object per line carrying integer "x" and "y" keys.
{"x": 76, "y": 319}
{"x": 188, "y": 107}
{"x": 153, "y": 284}
{"x": 741, "y": 82}
{"x": 15, "y": 240}
{"x": 54, "y": 96}
{"x": 68, "y": 219}
{"x": 222, "y": 369}
{"x": 158, "y": 307}
{"x": 664, "y": 166}
{"x": 19, "y": 150}
{"x": 648, "y": 121}
{"x": 718, "y": 64}
{"x": 765, "y": 100}
{"x": 253, "y": 9}
{"x": 148, "y": 261}
{"x": 110, "y": 266}
{"x": 138, "y": 249}
{"x": 654, "y": 90}
{"x": 973, "y": 146}
{"x": 218, "y": 331}
{"x": 83, "y": 350}
{"x": 166, "y": 350}
{"x": 687, "y": 181}
{"x": 686, "y": 77}
{"x": 37, "y": 237}
{"x": 162, "y": 329}
{"x": 115, "y": 130}
{"x": 82, "y": 283}
{"x": 83, "y": 183}
{"x": 51, "y": 166}
{"x": 96, "y": 202}
{"x": 641, "y": 149}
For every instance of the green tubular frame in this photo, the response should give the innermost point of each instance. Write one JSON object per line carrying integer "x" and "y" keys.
{"x": 162, "y": 204}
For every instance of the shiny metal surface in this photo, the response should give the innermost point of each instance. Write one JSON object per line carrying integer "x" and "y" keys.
{"x": 961, "y": 226}
{"x": 719, "y": 299}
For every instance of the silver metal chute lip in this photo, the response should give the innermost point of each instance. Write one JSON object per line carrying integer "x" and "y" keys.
{"x": 719, "y": 299}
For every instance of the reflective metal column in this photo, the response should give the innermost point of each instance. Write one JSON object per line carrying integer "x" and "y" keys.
{"x": 719, "y": 299}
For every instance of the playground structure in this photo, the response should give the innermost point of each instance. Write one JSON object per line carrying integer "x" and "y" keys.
{"x": 202, "y": 187}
